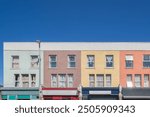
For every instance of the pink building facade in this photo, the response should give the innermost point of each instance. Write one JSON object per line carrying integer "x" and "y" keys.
{"x": 62, "y": 70}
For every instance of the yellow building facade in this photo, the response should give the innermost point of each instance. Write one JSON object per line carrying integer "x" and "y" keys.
{"x": 104, "y": 72}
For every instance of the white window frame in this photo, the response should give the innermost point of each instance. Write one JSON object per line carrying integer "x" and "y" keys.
{"x": 137, "y": 83}
{"x": 15, "y": 64}
{"x": 100, "y": 82}
{"x": 109, "y": 61}
{"x": 26, "y": 80}
{"x": 129, "y": 80}
{"x": 146, "y": 60}
{"x": 90, "y": 61}
{"x": 62, "y": 81}
{"x": 69, "y": 61}
{"x": 108, "y": 81}
{"x": 50, "y": 61}
{"x": 70, "y": 80}
{"x": 146, "y": 82}
{"x": 129, "y": 59}
{"x": 92, "y": 81}
{"x": 36, "y": 61}
{"x": 54, "y": 81}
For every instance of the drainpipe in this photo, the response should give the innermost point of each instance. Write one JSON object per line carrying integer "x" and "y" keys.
{"x": 40, "y": 85}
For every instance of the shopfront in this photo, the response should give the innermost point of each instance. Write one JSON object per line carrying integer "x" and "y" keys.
{"x": 107, "y": 93}
{"x": 19, "y": 93}
{"x": 136, "y": 93}
{"x": 60, "y": 93}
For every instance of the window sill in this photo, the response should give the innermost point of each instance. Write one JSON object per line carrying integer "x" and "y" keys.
{"x": 71, "y": 67}
{"x": 109, "y": 68}
{"x": 146, "y": 67}
{"x": 14, "y": 68}
{"x": 90, "y": 67}
{"x": 34, "y": 68}
{"x": 52, "y": 67}
{"x": 129, "y": 68}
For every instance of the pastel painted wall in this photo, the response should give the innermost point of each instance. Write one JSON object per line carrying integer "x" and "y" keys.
{"x": 62, "y": 66}
{"x": 100, "y": 66}
{"x": 24, "y": 66}
{"x": 137, "y": 66}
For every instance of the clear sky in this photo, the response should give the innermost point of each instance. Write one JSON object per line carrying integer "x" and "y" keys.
{"x": 73, "y": 20}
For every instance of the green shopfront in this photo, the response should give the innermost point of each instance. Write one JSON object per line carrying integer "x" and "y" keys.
{"x": 19, "y": 93}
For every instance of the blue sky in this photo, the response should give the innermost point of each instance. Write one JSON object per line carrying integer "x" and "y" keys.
{"x": 73, "y": 20}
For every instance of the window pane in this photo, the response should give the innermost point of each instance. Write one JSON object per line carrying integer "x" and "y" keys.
{"x": 53, "y": 80}
{"x": 108, "y": 80}
{"x": 62, "y": 80}
{"x": 146, "y": 64}
{"x": 15, "y": 62}
{"x": 91, "y": 80}
{"x": 53, "y": 61}
{"x": 146, "y": 57}
{"x": 70, "y": 80}
{"x": 146, "y": 61}
{"x": 109, "y": 60}
{"x": 71, "y": 58}
{"x": 34, "y": 61}
{"x": 90, "y": 59}
{"x": 71, "y": 61}
{"x": 100, "y": 80}
{"x": 129, "y": 63}
{"x": 146, "y": 80}
{"x": 129, "y": 80}
{"x": 52, "y": 58}
{"x": 137, "y": 80}
{"x": 72, "y": 64}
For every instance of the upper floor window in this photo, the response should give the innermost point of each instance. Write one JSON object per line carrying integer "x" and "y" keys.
{"x": 146, "y": 80}
{"x": 137, "y": 80}
{"x": 70, "y": 80}
{"x": 17, "y": 80}
{"x": 109, "y": 61}
{"x": 129, "y": 80}
{"x": 33, "y": 80}
{"x": 25, "y": 80}
{"x": 100, "y": 80}
{"x": 91, "y": 80}
{"x": 34, "y": 61}
{"x": 129, "y": 61}
{"x": 15, "y": 62}
{"x": 91, "y": 59}
{"x": 71, "y": 61}
{"x": 108, "y": 80}
{"x": 52, "y": 61}
{"x": 146, "y": 61}
{"x": 62, "y": 80}
{"x": 54, "y": 80}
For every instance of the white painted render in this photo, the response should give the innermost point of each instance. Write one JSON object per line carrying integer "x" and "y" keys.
{"x": 24, "y": 67}
{"x": 77, "y": 46}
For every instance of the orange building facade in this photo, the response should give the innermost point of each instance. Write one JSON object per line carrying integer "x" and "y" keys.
{"x": 135, "y": 68}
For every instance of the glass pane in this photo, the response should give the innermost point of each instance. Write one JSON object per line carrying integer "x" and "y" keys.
{"x": 53, "y": 58}
{"x": 129, "y": 77}
{"x": 146, "y": 64}
{"x": 146, "y": 57}
{"x": 71, "y": 58}
{"x": 129, "y": 63}
{"x": 72, "y": 64}
{"x": 53, "y": 64}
